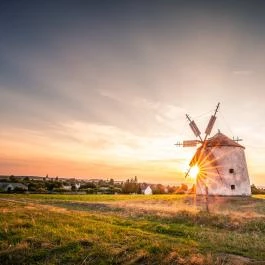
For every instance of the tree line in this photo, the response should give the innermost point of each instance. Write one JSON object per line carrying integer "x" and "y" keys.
{"x": 57, "y": 185}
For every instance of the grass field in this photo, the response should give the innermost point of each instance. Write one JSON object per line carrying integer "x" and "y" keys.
{"x": 131, "y": 229}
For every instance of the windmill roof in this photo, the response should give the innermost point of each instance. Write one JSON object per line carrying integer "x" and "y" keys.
{"x": 217, "y": 140}
{"x": 221, "y": 140}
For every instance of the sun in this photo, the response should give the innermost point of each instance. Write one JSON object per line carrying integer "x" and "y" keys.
{"x": 194, "y": 171}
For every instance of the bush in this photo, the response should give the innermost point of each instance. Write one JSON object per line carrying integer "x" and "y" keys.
{"x": 18, "y": 190}
{"x": 255, "y": 190}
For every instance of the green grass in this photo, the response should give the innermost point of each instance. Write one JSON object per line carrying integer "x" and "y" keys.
{"x": 129, "y": 229}
{"x": 93, "y": 197}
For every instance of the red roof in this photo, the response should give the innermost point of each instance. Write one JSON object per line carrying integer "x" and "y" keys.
{"x": 221, "y": 140}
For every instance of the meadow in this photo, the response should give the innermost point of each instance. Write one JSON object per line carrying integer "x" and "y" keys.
{"x": 131, "y": 229}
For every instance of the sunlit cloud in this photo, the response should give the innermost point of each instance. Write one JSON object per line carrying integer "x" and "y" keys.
{"x": 91, "y": 92}
{"x": 243, "y": 72}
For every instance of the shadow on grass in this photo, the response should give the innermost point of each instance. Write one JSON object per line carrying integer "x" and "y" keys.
{"x": 101, "y": 207}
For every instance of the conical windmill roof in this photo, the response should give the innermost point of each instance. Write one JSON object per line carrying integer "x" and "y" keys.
{"x": 221, "y": 140}
{"x": 217, "y": 140}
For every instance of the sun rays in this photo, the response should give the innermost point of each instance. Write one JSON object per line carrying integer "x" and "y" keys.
{"x": 194, "y": 171}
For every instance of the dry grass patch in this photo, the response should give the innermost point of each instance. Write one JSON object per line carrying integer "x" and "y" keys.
{"x": 155, "y": 230}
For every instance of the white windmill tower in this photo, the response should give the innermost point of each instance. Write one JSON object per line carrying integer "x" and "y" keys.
{"x": 221, "y": 162}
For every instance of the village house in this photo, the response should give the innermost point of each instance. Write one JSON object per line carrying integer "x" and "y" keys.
{"x": 147, "y": 191}
{"x": 11, "y": 186}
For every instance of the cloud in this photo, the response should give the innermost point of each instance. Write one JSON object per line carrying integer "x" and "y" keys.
{"x": 88, "y": 146}
{"x": 243, "y": 72}
{"x": 107, "y": 87}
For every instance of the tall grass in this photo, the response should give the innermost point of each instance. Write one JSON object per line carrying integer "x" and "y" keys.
{"x": 101, "y": 229}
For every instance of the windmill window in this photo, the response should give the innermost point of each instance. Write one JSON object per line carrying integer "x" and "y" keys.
{"x": 233, "y": 187}
{"x": 231, "y": 170}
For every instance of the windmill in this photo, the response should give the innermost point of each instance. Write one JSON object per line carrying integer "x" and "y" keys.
{"x": 221, "y": 162}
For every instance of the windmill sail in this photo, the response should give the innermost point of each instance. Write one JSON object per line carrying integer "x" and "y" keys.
{"x": 190, "y": 143}
{"x": 210, "y": 125}
{"x": 195, "y": 129}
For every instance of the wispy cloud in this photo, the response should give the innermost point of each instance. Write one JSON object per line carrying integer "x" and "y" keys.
{"x": 108, "y": 90}
{"x": 243, "y": 72}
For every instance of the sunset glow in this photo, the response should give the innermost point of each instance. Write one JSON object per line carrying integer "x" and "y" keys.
{"x": 194, "y": 171}
{"x": 91, "y": 90}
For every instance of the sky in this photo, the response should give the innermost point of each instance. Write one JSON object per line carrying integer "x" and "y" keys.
{"x": 100, "y": 89}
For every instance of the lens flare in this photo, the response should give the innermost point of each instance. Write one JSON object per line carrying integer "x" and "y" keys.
{"x": 194, "y": 171}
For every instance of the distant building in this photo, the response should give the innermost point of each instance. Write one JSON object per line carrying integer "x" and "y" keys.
{"x": 147, "y": 191}
{"x": 77, "y": 185}
{"x": 67, "y": 187}
{"x": 94, "y": 180}
{"x": 8, "y": 187}
{"x": 118, "y": 182}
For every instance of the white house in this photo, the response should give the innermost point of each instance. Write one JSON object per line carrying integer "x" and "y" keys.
{"x": 77, "y": 185}
{"x": 67, "y": 187}
{"x": 147, "y": 191}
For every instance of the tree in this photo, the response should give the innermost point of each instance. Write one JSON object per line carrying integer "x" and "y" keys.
{"x": 158, "y": 189}
{"x": 130, "y": 186}
{"x": 50, "y": 185}
{"x": 255, "y": 190}
{"x": 35, "y": 185}
{"x": 192, "y": 189}
{"x": 101, "y": 183}
{"x": 182, "y": 189}
{"x": 171, "y": 189}
{"x": 13, "y": 178}
{"x": 88, "y": 185}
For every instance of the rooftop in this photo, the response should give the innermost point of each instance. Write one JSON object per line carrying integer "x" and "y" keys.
{"x": 221, "y": 140}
